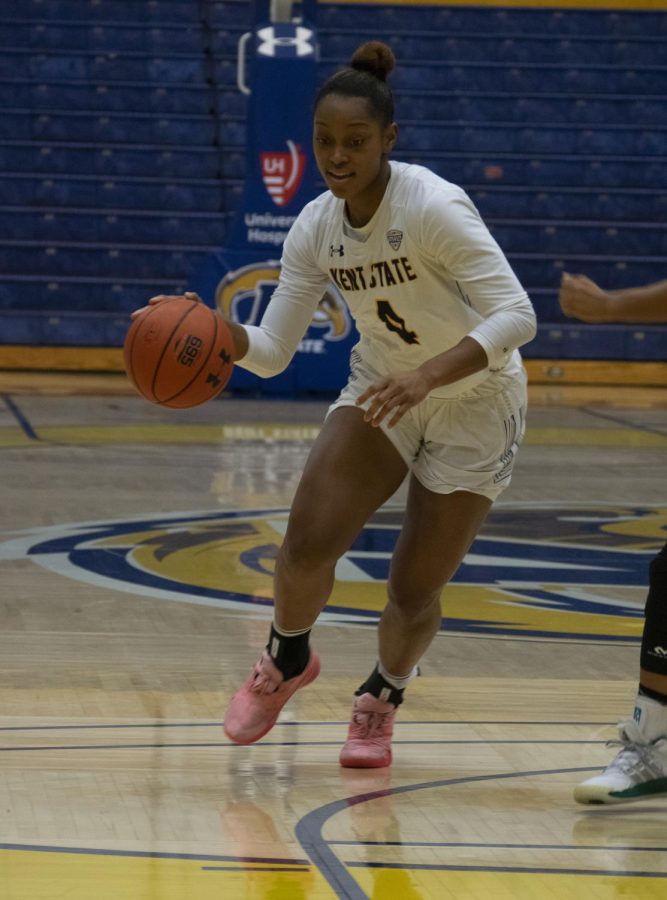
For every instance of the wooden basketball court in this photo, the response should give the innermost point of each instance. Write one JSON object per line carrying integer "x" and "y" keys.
{"x": 135, "y": 563}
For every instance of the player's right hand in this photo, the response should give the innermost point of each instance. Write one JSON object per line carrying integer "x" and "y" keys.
{"x": 581, "y": 298}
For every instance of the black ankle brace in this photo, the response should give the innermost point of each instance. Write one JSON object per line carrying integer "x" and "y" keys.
{"x": 289, "y": 653}
{"x": 653, "y": 695}
{"x": 376, "y": 685}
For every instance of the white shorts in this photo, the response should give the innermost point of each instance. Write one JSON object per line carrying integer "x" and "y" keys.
{"x": 467, "y": 443}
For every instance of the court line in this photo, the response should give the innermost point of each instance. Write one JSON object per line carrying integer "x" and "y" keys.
{"x": 154, "y": 854}
{"x": 490, "y": 846}
{"x": 297, "y": 723}
{"x": 537, "y": 870}
{"x": 619, "y": 420}
{"x": 304, "y": 868}
{"x": 22, "y": 420}
{"x": 230, "y": 745}
{"x": 309, "y": 828}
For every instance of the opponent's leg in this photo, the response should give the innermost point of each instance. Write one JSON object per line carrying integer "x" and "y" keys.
{"x": 640, "y": 768}
{"x": 438, "y": 531}
{"x": 352, "y": 470}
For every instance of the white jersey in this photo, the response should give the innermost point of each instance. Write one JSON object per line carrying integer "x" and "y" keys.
{"x": 421, "y": 275}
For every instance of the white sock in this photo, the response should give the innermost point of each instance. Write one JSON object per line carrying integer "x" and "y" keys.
{"x": 283, "y": 633}
{"x": 398, "y": 681}
{"x": 651, "y": 717}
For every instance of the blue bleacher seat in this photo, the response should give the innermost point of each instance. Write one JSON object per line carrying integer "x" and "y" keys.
{"x": 123, "y": 138}
{"x": 160, "y": 11}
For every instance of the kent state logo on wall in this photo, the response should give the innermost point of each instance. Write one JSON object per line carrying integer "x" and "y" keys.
{"x": 242, "y": 295}
{"x": 574, "y": 572}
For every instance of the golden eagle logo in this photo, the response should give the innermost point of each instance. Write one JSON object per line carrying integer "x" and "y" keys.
{"x": 243, "y": 295}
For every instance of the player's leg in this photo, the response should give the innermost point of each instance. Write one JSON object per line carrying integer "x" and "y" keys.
{"x": 640, "y": 768}
{"x": 437, "y": 532}
{"x": 351, "y": 470}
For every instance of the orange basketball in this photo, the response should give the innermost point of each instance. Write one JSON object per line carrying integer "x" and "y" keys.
{"x": 179, "y": 353}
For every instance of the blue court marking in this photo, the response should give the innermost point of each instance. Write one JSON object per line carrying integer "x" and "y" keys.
{"x": 120, "y": 725}
{"x": 483, "y": 845}
{"x": 154, "y": 854}
{"x": 530, "y": 870}
{"x": 305, "y": 868}
{"x": 309, "y": 829}
{"x": 26, "y": 427}
{"x": 618, "y": 420}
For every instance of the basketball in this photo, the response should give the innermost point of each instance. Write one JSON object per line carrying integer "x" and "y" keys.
{"x": 179, "y": 353}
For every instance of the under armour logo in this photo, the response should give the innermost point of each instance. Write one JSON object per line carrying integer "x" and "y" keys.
{"x": 285, "y": 40}
{"x": 225, "y": 357}
{"x": 336, "y": 250}
{"x": 660, "y": 651}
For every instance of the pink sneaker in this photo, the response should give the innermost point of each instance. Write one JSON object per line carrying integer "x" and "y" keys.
{"x": 368, "y": 744}
{"x": 254, "y": 708}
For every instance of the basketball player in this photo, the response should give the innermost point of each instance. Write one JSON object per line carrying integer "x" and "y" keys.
{"x": 640, "y": 768}
{"x": 436, "y": 390}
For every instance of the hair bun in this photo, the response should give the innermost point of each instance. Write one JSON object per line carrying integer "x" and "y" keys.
{"x": 374, "y": 57}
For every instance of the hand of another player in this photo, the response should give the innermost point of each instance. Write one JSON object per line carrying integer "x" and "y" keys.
{"x": 189, "y": 295}
{"x": 392, "y": 397}
{"x": 581, "y": 298}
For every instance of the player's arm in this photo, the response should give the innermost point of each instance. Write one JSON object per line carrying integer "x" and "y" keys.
{"x": 267, "y": 349}
{"x": 581, "y": 298}
{"x": 394, "y": 395}
{"x": 301, "y": 285}
{"x": 454, "y": 236}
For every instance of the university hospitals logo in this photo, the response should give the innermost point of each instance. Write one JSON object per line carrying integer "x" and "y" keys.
{"x": 571, "y": 572}
{"x": 282, "y": 173}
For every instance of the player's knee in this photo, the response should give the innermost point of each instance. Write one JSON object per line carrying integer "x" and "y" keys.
{"x": 305, "y": 549}
{"x": 411, "y": 604}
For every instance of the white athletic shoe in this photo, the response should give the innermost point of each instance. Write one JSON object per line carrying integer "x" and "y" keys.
{"x": 638, "y": 772}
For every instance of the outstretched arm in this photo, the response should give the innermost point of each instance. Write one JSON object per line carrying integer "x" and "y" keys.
{"x": 582, "y": 298}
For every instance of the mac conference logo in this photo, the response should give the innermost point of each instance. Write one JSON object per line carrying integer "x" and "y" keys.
{"x": 570, "y": 572}
{"x": 282, "y": 173}
{"x": 243, "y": 295}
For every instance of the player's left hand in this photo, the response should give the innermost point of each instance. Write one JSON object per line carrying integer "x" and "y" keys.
{"x": 189, "y": 295}
{"x": 392, "y": 397}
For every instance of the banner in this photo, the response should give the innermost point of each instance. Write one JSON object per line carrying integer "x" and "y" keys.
{"x": 281, "y": 174}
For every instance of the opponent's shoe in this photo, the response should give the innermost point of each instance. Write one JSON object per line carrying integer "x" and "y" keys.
{"x": 368, "y": 744}
{"x": 638, "y": 772}
{"x": 254, "y": 708}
